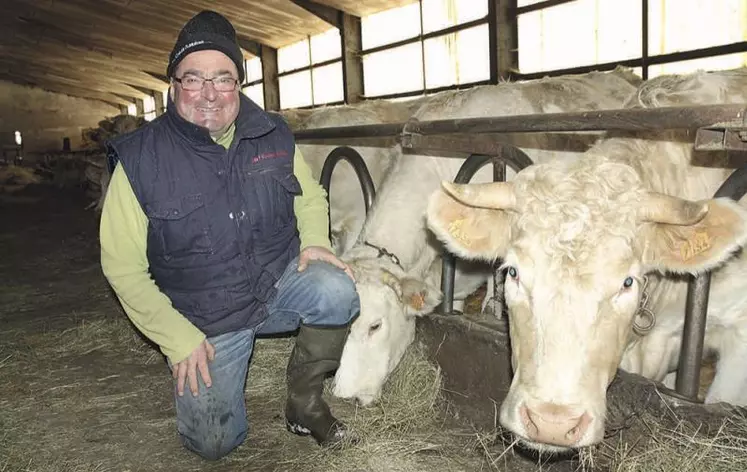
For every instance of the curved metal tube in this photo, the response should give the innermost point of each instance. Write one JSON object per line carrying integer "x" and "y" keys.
{"x": 359, "y": 166}
{"x": 517, "y": 160}
{"x": 696, "y": 308}
{"x": 361, "y": 170}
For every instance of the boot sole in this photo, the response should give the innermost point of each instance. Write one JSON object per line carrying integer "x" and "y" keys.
{"x": 297, "y": 429}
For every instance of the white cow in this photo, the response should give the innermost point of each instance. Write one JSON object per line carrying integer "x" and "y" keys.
{"x": 347, "y": 207}
{"x": 580, "y": 239}
{"x": 393, "y": 291}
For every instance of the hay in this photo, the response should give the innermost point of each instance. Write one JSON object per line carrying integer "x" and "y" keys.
{"x": 404, "y": 431}
{"x": 684, "y": 447}
{"x": 14, "y": 178}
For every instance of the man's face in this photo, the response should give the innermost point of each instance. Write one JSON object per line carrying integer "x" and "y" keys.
{"x": 206, "y": 107}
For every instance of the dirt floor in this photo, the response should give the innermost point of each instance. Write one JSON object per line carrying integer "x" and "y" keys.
{"x": 81, "y": 391}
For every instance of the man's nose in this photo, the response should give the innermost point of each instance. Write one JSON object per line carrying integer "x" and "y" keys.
{"x": 208, "y": 90}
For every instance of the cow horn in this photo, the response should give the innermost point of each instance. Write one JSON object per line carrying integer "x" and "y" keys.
{"x": 660, "y": 208}
{"x": 494, "y": 195}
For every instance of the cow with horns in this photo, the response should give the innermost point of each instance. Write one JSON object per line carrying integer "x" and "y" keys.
{"x": 592, "y": 248}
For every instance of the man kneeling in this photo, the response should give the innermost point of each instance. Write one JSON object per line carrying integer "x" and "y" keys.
{"x": 213, "y": 231}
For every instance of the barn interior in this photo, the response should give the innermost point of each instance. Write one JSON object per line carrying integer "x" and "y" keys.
{"x": 83, "y": 390}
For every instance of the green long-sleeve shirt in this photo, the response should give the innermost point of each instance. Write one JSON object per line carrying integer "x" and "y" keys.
{"x": 123, "y": 235}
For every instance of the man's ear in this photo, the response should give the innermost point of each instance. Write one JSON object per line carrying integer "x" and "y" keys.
{"x": 697, "y": 247}
{"x": 469, "y": 232}
{"x": 419, "y": 297}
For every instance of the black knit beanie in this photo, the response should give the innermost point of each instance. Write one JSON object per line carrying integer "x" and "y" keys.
{"x": 207, "y": 30}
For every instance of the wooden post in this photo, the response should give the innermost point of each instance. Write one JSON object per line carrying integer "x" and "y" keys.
{"x": 504, "y": 39}
{"x": 160, "y": 105}
{"x": 271, "y": 84}
{"x": 352, "y": 62}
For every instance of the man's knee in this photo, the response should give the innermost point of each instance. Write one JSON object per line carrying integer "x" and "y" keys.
{"x": 211, "y": 425}
{"x": 213, "y": 444}
{"x": 335, "y": 295}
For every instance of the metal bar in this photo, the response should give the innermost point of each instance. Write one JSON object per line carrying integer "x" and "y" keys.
{"x": 422, "y": 46}
{"x": 638, "y": 62}
{"x": 310, "y": 66}
{"x": 253, "y": 82}
{"x": 499, "y": 277}
{"x": 621, "y": 119}
{"x": 357, "y": 131}
{"x": 426, "y": 36}
{"x": 693, "y": 334}
{"x": 696, "y": 308}
{"x": 359, "y": 166}
{"x": 541, "y": 6}
{"x": 414, "y": 93}
{"x": 644, "y": 39}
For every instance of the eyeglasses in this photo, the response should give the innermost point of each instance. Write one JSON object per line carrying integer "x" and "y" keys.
{"x": 193, "y": 83}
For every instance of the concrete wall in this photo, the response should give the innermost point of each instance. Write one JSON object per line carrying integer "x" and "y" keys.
{"x": 44, "y": 118}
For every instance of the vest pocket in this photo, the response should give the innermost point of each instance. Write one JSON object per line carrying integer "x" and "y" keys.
{"x": 179, "y": 226}
{"x": 287, "y": 188}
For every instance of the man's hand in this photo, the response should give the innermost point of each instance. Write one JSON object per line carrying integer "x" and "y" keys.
{"x": 188, "y": 368}
{"x": 317, "y": 253}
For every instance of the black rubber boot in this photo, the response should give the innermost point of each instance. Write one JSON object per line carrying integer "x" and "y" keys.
{"x": 316, "y": 353}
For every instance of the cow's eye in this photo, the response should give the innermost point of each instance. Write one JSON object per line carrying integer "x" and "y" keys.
{"x": 513, "y": 273}
{"x": 628, "y": 282}
{"x": 374, "y": 327}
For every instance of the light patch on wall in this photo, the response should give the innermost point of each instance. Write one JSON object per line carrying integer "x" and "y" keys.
{"x": 255, "y": 93}
{"x": 19, "y": 139}
{"x": 317, "y": 85}
{"x": 149, "y": 108}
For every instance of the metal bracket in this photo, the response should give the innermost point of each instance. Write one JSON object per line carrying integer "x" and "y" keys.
{"x": 722, "y": 138}
{"x": 407, "y": 134}
{"x": 729, "y": 139}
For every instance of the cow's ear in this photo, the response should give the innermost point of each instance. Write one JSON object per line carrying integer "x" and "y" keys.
{"x": 419, "y": 297}
{"x": 468, "y": 231}
{"x": 697, "y": 246}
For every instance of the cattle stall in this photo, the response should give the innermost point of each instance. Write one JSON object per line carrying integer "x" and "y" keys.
{"x": 475, "y": 353}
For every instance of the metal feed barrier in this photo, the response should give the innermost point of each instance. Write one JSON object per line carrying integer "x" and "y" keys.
{"x": 721, "y": 128}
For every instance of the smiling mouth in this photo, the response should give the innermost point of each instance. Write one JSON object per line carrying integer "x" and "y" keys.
{"x": 208, "y": 110}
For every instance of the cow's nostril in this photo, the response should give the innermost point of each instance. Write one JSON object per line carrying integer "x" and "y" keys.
{"x": 554, "y": 424}
{"x": 526, "y": 420}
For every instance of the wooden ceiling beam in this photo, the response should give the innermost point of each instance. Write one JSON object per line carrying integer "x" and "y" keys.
{"x": 330, "y": 15}
{"x": 249, "y": 45}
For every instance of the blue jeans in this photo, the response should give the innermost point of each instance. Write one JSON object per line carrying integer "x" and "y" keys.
{"x": 214, "y": 423}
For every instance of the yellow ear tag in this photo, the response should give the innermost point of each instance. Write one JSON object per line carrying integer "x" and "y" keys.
{"x": 417, "y": 301}
{"x": 699, "y": 243}
{"x": 455, "y": 229}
